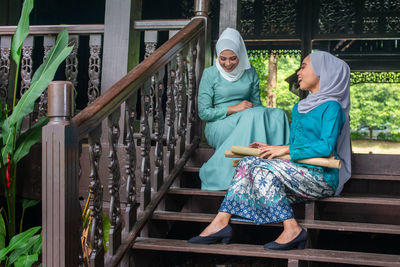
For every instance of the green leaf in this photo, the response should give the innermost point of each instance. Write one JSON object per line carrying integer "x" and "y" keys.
{"x": 22, "y": 31}
{"x": 2, "y": 232}
{"x": 43, "y": 75}
{"x": 37, "y": 245}
{"x": 16, "y": 254}
{"x": 28, "y": 139}
{"x": 27, "y": 203}
{"x": 106, "y": 230}
{"x": 18, "y": 241}
{"x": 26, "y": 261}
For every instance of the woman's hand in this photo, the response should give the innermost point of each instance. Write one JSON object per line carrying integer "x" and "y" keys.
{"x": 257, "y": 145}
{"x": 271, "y": 152}
{"x": 239, "y": 107}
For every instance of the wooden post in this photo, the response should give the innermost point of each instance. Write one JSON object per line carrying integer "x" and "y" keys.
{"x": 306, "y": 37}
{"x": 60, "y": 204}
{"x": 229, "y": 14}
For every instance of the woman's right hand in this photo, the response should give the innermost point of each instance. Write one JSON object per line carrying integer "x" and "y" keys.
{"x": 239, "y": 107}
{"x": 257, "y": 145}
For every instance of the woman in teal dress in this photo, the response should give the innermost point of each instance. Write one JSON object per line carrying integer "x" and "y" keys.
{"x": 229, "y": 102}
{"x": 263, "y": 190}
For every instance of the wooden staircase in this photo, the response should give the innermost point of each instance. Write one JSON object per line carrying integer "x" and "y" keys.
{"x": 361, "y": 227}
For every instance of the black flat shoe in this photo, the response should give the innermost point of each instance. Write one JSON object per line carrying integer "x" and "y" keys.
{"x": 299, "y": 242}
{"x": 224, "y": 235}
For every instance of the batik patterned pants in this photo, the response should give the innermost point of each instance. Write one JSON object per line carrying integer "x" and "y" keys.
{"x": 262, "y": 190}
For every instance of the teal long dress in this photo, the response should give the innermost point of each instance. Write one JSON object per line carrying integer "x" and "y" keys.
{"x": 267, "y": 125}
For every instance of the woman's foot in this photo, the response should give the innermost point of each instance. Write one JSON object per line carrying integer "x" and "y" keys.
{"x": 213, "y": 228}
{"x": 224, "y": 235}
{"x": 288, "y": 235}
{"x": 298, "y": 242}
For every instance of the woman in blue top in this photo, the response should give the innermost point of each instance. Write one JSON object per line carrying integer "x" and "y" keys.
{"x": 229, "y": 102}
{"x": 263, "y": 189}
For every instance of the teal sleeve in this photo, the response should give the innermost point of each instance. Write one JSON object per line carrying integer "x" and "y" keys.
{"x": 255, "y": 90}
{"x": 332, "y": 124}
{"x": 207, "y": 111}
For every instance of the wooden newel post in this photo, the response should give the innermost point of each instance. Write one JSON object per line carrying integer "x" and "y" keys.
{"x": 60, "y": 155}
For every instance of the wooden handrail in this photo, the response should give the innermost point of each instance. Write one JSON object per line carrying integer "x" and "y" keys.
{"x": 160, "y": 24}
{"x": 92, "y": 115}
{"x": 54, "y": 29}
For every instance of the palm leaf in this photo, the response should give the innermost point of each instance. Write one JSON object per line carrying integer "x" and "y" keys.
{"x": 18, "y": 241}
{"x": 29, "y": 138}
{"x": 26, "y": 261}
{"x": 16, "y": 254}
{"x": 2, "y": 232}
{"x": 43, "y": 75}
{"x": 22, "y": 31}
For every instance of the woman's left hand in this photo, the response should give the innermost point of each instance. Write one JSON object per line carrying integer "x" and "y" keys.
{"x": 271, "y": 152}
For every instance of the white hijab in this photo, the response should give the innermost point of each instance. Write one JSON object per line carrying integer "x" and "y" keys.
{"x": 334, "y": 84}
{"x": 230, "y": 39}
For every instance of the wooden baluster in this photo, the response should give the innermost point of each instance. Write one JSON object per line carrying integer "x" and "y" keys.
{"x": 159, "y": 132}
{"x": 71, "y": 64}
{"x": 94, "y": 67}
{"x": 170, "y": 119}
{"x": 61, "y": 216}
{"x": 48, "y": 43}
{"x": 130, "y": 166}
{"x": 145, "y": 190}
{"x": 5, "y": 48}
{"x": 150, "y": 41}
{"x": 26, "y": 64}
{"x": 181, "y": 103}
{"x": 96, "y": 199}
{"x": 114, "y": 182}
{"x": 191, "y": 111}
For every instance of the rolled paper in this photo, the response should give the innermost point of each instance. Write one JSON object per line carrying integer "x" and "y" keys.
{"x": 240, "y": 152}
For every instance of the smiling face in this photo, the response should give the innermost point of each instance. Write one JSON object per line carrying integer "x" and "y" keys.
{"x": 228, "y": 60}
{"x": 306, "y": 76}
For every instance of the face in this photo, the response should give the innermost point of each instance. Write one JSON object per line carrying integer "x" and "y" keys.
{"x": 306, "y": 76}
{"x": 228, "y": 60}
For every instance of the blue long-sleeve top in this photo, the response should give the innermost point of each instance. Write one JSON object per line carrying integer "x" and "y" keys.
{"x": 216, "y": 93}
{"x": 315, "y": 133}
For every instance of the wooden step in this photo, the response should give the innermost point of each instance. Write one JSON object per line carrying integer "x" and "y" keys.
{"x": 355, "y": 199}
{"x": 310, "y": 224}
{"x": 344, "y": 257}
{"x": 356, "y": 176}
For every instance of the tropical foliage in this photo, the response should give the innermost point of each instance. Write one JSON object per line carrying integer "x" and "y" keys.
{"x": 15, "y": 144}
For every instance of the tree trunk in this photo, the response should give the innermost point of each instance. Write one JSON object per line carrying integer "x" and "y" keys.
{"x": 272, "y": 76}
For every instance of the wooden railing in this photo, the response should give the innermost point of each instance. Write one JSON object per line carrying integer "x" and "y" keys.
{"x": 173, "y": 70}
{"x": 45, "y": 36}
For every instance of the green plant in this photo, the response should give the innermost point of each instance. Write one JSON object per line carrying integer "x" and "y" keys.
{"x": 23, "y": 249}
{"x": 15, "y": 144}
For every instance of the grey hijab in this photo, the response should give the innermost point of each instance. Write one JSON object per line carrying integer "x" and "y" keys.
{"x": 334, "y": 84}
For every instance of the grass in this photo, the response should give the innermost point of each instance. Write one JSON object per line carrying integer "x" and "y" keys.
{"x": 375, "y": 147}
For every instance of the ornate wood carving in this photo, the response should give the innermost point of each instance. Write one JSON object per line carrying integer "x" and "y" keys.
{"x": 180, "y": 85}
{"x": 26, "y": 64}
{"x": 71, "y": 63}
{"x": 145, "y": 149}
{"x": 114, "y": 182}
{"x": 94, "y": 67}
{"x": 5, "y": 48}
{"x": 96, "y": 199}
{"x": 374, "y": 77}
{"x": 48, "y": 43}
{"x": 159, "y": 131}
{"x": 130, "y": 165}
{"x": 170, "y": 120}
{"x": 191, "y": 94}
